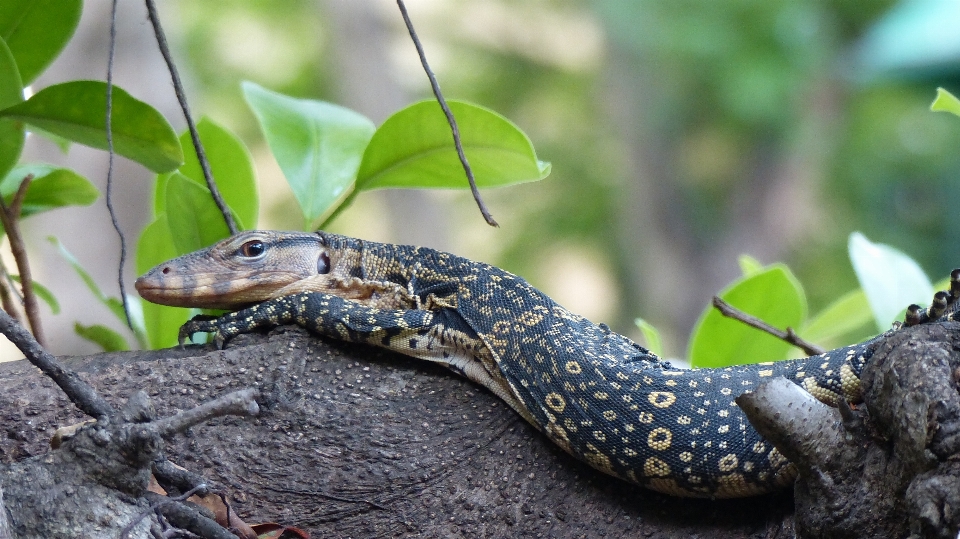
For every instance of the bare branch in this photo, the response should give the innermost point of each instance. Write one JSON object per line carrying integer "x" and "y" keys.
{"x": 241, "y": 403}
{"x": 194, "y": 135}
{"x": 108, "y": 197}
{"x": 11, "y": 222}
{"x": 78, "y": 391}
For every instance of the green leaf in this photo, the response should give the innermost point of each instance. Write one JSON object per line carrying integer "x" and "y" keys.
{"x": 11, "y": 85}
{"x": 52, "y": 187}
{"x": 196, "y": 221}
{"x": 845, "y": 315}
{"x": 772, "y": 295}
{"x": 231, "y": 165}
{"x": 37, "y": 30}
{"x": 318, "y": 146}
{"x": 414, "y": 148}
{"x": 76, "y": 110}
{"x": 106, "y": 338}
{"x": 749, "y": 265}
{"x": 43, "y": 293}
{"x": 890, "y": 279}
{"x": 11, "y": 93}
{"x": 650, "y": 336}
{"x": 945, "y": 102}
{"x": 161, "y": 323}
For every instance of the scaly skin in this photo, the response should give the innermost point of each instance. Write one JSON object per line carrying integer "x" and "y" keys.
{"x": 598, "y": 395}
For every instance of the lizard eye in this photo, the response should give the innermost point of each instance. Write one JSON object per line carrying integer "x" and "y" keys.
{"x": 252, "y": 249}
{"x": 323, "y": 264}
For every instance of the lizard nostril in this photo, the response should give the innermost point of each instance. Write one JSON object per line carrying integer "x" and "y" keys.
{"x": 165, "y": 270}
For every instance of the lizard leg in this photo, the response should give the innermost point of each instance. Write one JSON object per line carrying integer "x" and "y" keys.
{"x": 440, "y": 335}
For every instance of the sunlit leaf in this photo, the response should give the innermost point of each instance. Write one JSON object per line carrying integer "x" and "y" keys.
{"x": 37, "y": 30}
{"x": 946, "y": 102}
{"x": 318, "y": 146}
{"x": 11, "y": 93}
{"x": 772, "y": 295}
{"x": 890, "y": 279}
{"x": 76, "y": 110}
{"x": 108, "y": 339}
{"x": 231, "y": 165}
{"x": 651, "y": 336}
{"x": 414, "y": 148}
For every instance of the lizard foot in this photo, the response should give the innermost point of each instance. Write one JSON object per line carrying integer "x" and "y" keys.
{"x": 222, "y": 328}
{"x": 943, "y": 306}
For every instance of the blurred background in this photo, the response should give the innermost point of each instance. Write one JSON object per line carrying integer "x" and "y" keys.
{"x": 682, "y": 134}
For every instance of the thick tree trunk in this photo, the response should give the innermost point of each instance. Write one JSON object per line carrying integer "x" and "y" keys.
{"x": 353, "y": 441}
{"x": 356, "y": 442}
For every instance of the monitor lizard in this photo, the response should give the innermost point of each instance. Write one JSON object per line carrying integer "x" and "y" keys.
{"x": 598, "y": 395}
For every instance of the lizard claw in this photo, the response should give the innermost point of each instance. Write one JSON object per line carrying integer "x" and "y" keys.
{"x": 201, "y": 324}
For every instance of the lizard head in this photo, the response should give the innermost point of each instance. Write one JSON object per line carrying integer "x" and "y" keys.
{"x": 247, "y": 268}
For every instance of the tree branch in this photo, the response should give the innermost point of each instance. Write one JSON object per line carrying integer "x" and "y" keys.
{"x": 10, "y": 216}
{"x": 789, "y": 335}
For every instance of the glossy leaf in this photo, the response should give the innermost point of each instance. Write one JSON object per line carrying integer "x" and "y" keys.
{"x": 196, "y": 222}
{"x": 161, "y": 323}
{"x": 890, "y": 279}
{"x": 51, "y": 187}
{"x": 651, "y": 336}
{"x": 946, "y": 102}
{"x": 108, "y": 339}
{"x": 11, "y": 93}
{"x": 76, "y": 110}
{"x": 37, "y": 30}
{"x": 232, "y": 168}
{"x": 772, "y": 295}
{"x": 414, "y": 148}
{"x": 318, "y": 146}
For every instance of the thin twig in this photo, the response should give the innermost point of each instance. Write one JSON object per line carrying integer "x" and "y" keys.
{"x": 789, "y": 335}
{"x": 78, "y": 391}
{"x": 109, "y": 194}
{"x": 11, "y": 222}
{"x": 446, "y": 111}
{"x": 194, "y": 135}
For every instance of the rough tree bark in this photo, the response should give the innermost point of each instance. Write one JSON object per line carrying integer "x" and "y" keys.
{"x": 356, "y": 442}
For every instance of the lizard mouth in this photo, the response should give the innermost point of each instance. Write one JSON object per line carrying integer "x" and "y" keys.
{"x": 165, "y": 286}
